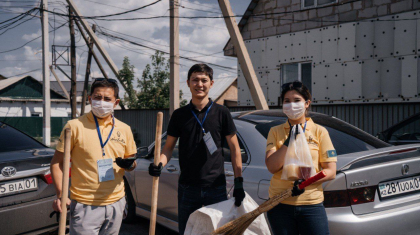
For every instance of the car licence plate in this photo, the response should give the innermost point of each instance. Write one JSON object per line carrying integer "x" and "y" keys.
{"x": 400, "y": 186}
{"x": 18, "y": 186}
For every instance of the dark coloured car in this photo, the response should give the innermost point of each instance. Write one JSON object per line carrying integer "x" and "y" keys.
{"x": 26, "y": 189}
{"x": 404, "y": 132}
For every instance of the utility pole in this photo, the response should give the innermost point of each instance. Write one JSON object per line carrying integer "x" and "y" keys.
{"x": 95, "y": 39}
{"x": 46, "y": 103}
{"x": 174, "y": 55}
{"x": 88, "y": 42}
{"x": 89, "y": 61}
{"x": 73, "y": 90}
{"x": 243, "y": 56}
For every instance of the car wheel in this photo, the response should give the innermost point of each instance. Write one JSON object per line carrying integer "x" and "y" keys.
{"x": 130, "y": 206}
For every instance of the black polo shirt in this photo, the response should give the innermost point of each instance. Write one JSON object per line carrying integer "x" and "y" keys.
{"x": 198, "y": 166}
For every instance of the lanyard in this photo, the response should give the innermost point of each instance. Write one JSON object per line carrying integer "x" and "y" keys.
{"x": 304, "y": 128}
{"x": 204, "y": 119}
{"x": 100, "y": 136}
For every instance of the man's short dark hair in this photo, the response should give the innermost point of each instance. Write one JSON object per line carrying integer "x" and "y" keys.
{"x": 103, "y": 82}
{"x": 201, "y": 68}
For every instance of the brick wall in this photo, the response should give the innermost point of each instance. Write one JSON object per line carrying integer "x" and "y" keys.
{"x": 279, "y": 22}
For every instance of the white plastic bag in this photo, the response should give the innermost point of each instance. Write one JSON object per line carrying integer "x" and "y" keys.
{"x": 207, "y": 219}
{"x": 298, "y": 161}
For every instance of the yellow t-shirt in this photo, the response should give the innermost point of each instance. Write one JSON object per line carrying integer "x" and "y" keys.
{"x": 86, "y": 151}
{"x": 322, "y": 150}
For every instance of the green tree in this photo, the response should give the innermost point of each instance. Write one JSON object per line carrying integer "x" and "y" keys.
{"x": 127, "y": 76}
{"x": 154, "y": 85}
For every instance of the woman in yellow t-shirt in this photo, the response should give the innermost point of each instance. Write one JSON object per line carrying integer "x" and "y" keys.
{"x": 303, "y": 213}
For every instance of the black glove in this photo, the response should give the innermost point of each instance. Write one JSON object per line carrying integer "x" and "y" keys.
{"x": 125, "y": 163}
{"x": 286, "y": 142}
{"x": 155, "y": 170}
{"x": 238, "y": 191}
{"x": 296, "y": 191}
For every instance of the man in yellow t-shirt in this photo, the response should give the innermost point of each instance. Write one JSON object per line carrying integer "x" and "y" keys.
{"x": 102, "y": 149}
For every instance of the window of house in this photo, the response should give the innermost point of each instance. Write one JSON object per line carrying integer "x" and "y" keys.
{"x": 316, "y": 3}
{"x": 297, "y": 71}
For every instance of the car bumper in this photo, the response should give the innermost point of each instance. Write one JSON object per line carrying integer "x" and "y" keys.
{"x": 403, "y": 220}
{"x": 27, "y": 217}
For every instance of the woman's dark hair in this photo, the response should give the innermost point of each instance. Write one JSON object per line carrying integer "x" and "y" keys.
{"x": 103, "y": 82}
{"x": 201, "y": 68}
{"x": 298, "y": 87}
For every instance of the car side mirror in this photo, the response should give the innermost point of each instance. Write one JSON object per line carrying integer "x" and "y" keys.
{"x": 143, "y": 152}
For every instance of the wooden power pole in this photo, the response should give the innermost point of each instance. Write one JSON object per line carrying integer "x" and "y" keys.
{"x": 46, "y": 117}
{"x": 86, "y": 84}
{"x": 174, "y": 56}
{"x": 73, "y": 90}
{"x": 243, "y": 56}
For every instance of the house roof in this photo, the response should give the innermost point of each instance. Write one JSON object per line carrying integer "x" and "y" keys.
{"x": 25, "y": 87}
{"x": 248, "y": 12}
{"x": 219, "y": 87}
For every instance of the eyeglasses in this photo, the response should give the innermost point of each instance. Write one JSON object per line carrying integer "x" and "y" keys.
{"x": 102, "y": 79}
{"x": 290, "y": 85}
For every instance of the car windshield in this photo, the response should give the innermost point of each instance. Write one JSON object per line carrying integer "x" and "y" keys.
{"x": 14, "y": 140}
{"x": 343, "y": 143}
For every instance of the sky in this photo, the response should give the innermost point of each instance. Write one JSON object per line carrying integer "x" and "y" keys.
{"x": 202, "y": 39}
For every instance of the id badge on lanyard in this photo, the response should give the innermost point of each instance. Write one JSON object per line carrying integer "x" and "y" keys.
{"x": 208, "y": 139}
{"x": 105, "y": 166}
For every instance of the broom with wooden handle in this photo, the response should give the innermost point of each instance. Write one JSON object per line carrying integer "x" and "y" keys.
{"x": 239, "y": 225}
{"x": 155, "y": 186}
{"x": 65, "y": 189}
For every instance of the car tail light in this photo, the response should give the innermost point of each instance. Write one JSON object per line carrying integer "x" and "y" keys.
{"x": 349, "y": 197}
{"x": 47, "y": 177}
{"x": 336, "y": 198}
{"x": 362, "y": 195}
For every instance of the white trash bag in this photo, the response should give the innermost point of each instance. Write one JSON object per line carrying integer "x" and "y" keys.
{"x": 298, "y": 161}
{"x": 207, "y": 219}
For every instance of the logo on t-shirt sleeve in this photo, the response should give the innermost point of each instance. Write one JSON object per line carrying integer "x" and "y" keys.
{"x": 331, "y": 153}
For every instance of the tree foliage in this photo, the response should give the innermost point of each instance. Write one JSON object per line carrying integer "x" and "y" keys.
{"x": 154, "y": 85}
{"x": 127, "y": 76}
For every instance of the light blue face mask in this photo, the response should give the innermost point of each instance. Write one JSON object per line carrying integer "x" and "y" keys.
{"x": 294, "y": 110}
{"x": 102, "y": 109}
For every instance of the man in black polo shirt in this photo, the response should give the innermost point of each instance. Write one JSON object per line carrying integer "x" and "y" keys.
{"x": 201, "y": 126}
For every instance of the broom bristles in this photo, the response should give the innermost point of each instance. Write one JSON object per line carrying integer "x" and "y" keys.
{"x": 239, "y": 225}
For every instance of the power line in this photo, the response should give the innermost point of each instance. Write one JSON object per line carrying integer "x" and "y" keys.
{"x": 17, "y": 48}
{"x": 24, "y": 73}
{"x": 202, "y": 54}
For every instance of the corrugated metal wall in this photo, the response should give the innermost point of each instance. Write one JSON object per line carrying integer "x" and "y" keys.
{"x": 143, "y": 123}
{"x": 372, "y": 118}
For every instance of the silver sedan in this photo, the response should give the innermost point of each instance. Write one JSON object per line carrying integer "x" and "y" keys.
{"x": 376, "y": 190}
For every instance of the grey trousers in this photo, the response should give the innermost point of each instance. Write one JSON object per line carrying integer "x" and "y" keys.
{"x": 99, "y": 220}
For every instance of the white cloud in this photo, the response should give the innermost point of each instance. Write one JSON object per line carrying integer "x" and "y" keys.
{"x": 28, "y": 37}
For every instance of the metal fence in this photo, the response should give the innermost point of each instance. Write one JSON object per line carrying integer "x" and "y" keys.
{"x": 372, "y": 118}
{"x": 33, "y": 125}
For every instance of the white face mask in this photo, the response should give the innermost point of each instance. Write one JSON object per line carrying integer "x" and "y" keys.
{"x": 102, "y": 109}
{"x": 294, "y": 110}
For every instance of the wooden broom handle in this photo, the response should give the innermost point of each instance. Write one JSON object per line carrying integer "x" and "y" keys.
{"x": 65, "y": 188}
{"x": 312, "y": 179}
{"x": 155, "y": 187}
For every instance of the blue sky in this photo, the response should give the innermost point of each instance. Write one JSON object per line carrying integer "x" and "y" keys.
{"x": 198, "y": 37}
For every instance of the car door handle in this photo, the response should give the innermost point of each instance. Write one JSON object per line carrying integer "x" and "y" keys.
{"x": 229, "y": 173}
{"x": 171, "y": 168}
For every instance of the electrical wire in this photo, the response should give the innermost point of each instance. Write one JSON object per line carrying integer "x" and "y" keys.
{"x": 24, "y": 73}
{"x": 17, "y": 48}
